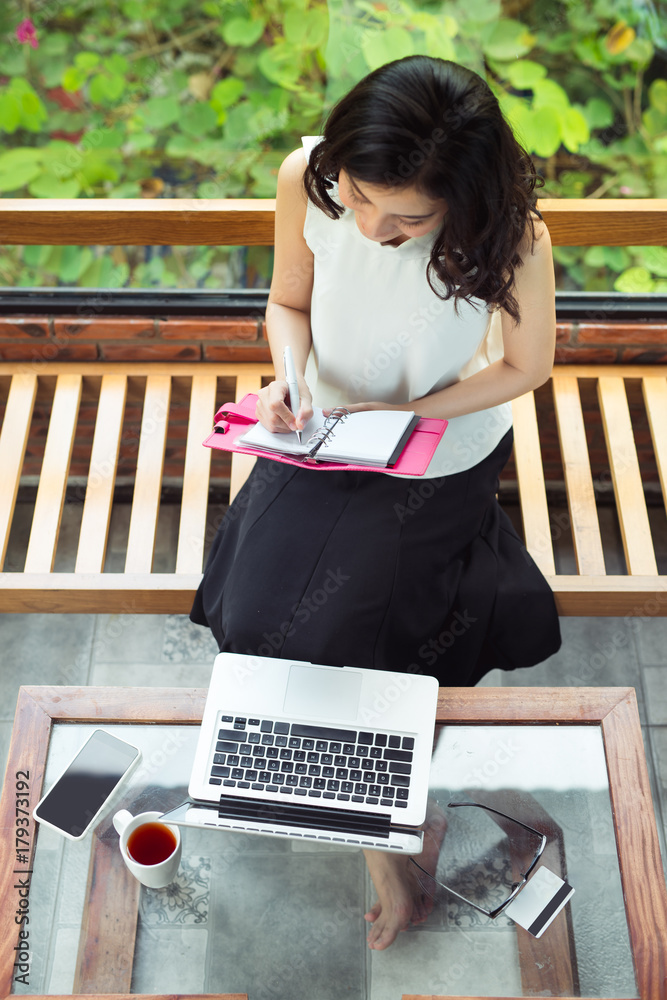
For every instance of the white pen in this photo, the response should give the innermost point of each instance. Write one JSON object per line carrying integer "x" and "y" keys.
{"x": 293, "y": 385}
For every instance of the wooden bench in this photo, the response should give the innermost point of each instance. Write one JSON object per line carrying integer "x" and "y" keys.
{"x": 588, "y": 590}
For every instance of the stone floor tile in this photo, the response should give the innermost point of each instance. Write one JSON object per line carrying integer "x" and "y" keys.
{"x": 651, "y": 639}
{"x": 596, "y": 652}
{"x": 156, "y": 674}
{"x": 185, "y": 902}
{"x": 182, "y": 640}
{"x": 5, "y": 739}
{"x": 42, "y": 649}
{"x": 280, "y": 930}
{"x": 656, "y": 754}
{"x": 655, "y": 685}
{"x": 170, "y": 960}
{"x": 493, "y": 679}
{"x": 447, "y": 963}
{"x": 128, "y": 638}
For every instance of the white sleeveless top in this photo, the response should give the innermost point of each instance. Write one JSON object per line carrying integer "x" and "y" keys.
{"x": 380, "y": 332}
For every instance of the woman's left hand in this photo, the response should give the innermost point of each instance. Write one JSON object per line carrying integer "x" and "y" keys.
{"x": 358, "y": 407}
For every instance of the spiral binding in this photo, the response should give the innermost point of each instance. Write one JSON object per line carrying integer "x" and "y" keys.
{"x": 325, "y": 433}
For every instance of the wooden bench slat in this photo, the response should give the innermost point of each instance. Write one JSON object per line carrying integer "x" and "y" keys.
{"x": 622, "y": 454}
{"x": 579, "y": 594}
{"x": 13, "y": 441}
{"x": 196, "y": 476}
{"x": 654, "y": 389}
{"x": 101, "y": 475}
{"x": 171, "y": 593}
{"x": 53, "y": 478}
{"x": 578, "y": 479}
{"x": 530, "y": 477}
{"x": 148, "y": 480}
{"x": 242, "y": 465}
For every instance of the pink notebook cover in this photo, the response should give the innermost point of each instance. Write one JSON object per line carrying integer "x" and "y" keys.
{"x": 233, "y": 419}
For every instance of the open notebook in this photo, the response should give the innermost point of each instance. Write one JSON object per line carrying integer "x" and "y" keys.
{"x": 372, "y": 437}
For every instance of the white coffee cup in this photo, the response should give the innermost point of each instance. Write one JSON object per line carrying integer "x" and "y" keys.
{"x": 155, "y": 876}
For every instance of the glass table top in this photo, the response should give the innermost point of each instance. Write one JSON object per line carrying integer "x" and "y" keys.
{"x": 281, "y": 918}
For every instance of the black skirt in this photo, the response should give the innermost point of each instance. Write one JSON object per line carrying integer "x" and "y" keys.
{"x": 365, "y": 569}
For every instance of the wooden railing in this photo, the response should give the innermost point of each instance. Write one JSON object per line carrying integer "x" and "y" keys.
{"x": 249, "y": 222}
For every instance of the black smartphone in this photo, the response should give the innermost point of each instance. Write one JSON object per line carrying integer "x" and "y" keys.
{"x": 74, "y": 802}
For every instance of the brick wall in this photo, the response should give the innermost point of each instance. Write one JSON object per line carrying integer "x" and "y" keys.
{"x": 122, "y": 338}
{"x": 38, "y": 339}
{"x": 178, "y": 338}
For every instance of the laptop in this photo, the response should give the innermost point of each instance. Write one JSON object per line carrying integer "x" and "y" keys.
{"x": 295, "y": 749}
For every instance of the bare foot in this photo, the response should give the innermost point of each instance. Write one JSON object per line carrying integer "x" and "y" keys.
{"x": 401, "y": 899}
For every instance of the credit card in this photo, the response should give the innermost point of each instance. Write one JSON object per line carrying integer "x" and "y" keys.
{"x": 540, "y": 901}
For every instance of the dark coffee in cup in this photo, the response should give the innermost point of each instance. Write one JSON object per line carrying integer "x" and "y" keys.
{"x": 151, "y": 843}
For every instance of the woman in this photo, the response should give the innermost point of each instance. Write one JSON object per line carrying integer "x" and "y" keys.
{"x": 412, "y": 272}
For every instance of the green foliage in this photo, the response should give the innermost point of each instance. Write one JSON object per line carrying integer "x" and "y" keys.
{"x": 178, "y": 98}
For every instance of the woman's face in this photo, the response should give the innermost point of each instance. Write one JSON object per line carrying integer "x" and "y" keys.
{"x": 390, "y": 214}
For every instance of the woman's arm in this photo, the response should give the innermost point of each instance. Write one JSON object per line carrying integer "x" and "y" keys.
{"x": 288, "y": 308}
{"x": 528, "y": 346}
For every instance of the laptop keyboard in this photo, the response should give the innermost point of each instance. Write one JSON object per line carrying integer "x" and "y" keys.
{"x": 285, "y": 758}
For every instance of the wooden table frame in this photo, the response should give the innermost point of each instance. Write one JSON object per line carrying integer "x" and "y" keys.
{"x": 614, "y": 710}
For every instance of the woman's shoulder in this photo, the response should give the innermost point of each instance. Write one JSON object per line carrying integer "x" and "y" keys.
{"x": 536, "y": 240}
{"x": 293, "y": 167}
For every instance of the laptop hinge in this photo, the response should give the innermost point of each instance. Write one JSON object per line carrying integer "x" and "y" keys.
{"x": 296, "y": 814}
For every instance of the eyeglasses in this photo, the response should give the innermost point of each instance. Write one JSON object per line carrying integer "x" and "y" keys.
{"x": 432, "y": 885}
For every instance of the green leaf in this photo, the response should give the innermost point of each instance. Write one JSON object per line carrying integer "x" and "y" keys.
{"x": 306, "y": 29}
{"x": 141, "y": 141}
{"x": 598, "y": 113}
{"x": 34, "y": 256}
{"x": 655, "y": 258}
{"x": 160, "y": 112}
{"x": 634, "y": 280}
{"x": 18, "y": 167}
{"x": 116, "y": 64}
{"x": 197, "y": 119}
{"x": 73, "y": 79}
{"x": 227, "y": 92}
{"x": 654, "y": 121}
{"x": 280, "y": 64}
{"x": 54, "y": 44}
{"x": 98, "y": 274}
{"x": 615, "y": 258}
{"x": 48, "y": 186}
{"x": 438, "y": 39}
{"x": 13, "y": 180}
{"x": 21, "y": 158}
{"x": 574, "y": 129}
{"x": 179, "y": 146}
{"x": 74, "y": 260}
{"x": 549, "y": 94}
{"x": 540, "y": 129}
{"x": 10, "y": 113}
{"x": 524, "y": 73}
{"x": 86, "y": 60}
{"x": 242, "y": 31}
{"x": 96, "y": 168}
{"x": 506, "y": 39}
{"x": 640, "y": 51}
{"x": 657, "y": 95}
{"x": 380, "y": 47}
{"x": 106, "y": 89}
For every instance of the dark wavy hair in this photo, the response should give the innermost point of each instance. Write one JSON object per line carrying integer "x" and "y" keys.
{"x": 435, "y": 125}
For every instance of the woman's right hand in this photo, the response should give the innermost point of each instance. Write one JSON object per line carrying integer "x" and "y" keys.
{"x": 273, "y": 410}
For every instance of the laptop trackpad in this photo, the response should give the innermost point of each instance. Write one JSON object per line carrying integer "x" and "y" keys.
{"x": 322, "y": 694}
